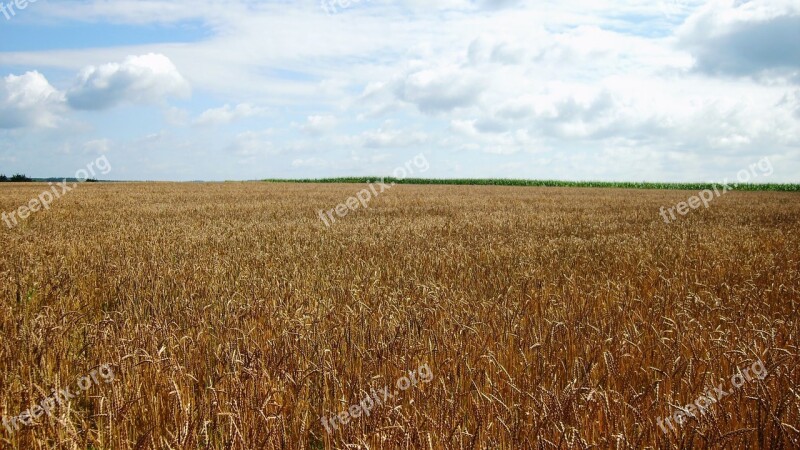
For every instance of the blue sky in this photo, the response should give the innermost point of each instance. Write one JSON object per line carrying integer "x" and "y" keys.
{"x": 673, "y": 90}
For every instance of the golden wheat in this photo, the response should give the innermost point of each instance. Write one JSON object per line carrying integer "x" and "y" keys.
{"x": 551, "y": 318}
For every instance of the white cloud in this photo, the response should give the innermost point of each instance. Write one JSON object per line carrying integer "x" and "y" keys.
{"x": 384, "y": 138}
{"x": 29, "y": 101}
{"x": 226, "y": 114}
{"x": 504, "y": 141}
{"x": 254, "y": 146}
{"x": 318, "y": 125}
{"x": 757, "y": 37}
{"x": 148, "y": 78}
{"x": 441, "y": 89}
{"x": 791, "y": 101}
{"x": 98, "y": 146}
{"x": 177, "y": 117}
{"x": 310, "y": 162}
{"x": 492, "y": 49}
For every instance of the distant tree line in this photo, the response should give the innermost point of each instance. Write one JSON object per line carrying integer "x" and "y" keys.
{"x": 18, "y": 178}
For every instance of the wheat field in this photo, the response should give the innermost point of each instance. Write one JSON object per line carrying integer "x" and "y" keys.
{"x": 550, "y": 318}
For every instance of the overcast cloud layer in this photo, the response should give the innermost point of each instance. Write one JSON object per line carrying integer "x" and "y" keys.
{"x": 677, "y": 90}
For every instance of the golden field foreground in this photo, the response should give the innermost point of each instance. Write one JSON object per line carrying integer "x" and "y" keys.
{"x": 233, "y": 318}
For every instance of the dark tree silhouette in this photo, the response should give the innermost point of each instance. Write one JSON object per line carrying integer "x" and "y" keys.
{"x": 20, "y": 178}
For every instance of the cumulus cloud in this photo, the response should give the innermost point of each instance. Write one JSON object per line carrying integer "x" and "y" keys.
{"x": 319, "y": 124}
{"x": 516, "y": 109}
{"x": 226, "y": 114}
{"x": 98, "y": 146}
{"x": 253, "y": 145}
{"x": 29, "y": 101}
{"x": 503, "y": 140}
{"x": 310, "y": 162}
{"x": 441, "y": 89}
{"x": 499, "y": 4}
{"x": 489, "y": 49}
{"x": 791, "y": 101}
{"x": 385, "y": 138}
{"x": 754, "y": 38}
{"x": 148, "y": 78}
{"x": 176, "y": 116}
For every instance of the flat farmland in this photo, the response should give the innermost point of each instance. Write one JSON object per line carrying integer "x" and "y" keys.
{"x": 229, "y": 316}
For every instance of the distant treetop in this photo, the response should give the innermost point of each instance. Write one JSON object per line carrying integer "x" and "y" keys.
{"x": 19, "y": 178}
